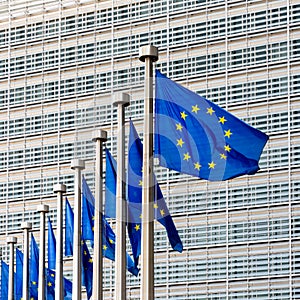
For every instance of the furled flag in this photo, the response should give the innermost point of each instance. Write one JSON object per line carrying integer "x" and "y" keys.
{"x": 88, "y": 212}
{"x": 134, "y": 197}
{"x": 197, "y": 137}
{"x": 108, "y": 237}
{"x": 69, "y": 229}
{"x": 19, "y": 274}
{"x": 110, "y": 185}
{"x": 51, "y": 246}
{"x": 4, "y": 280}
{"x": 87, "y": 269}
{"x": 50, "y": 283}
{"x": 33, "y": 269}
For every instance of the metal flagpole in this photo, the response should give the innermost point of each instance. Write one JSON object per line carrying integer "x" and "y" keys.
{"x": 121, "y": 100}
{"x": 148, "y": 54}
{"x": 59, "y": 189}
{"x": 77, "y": 165}
{"x": 11, "y": 241}
{"x": 42, "y": 209}
{"x": 99, "y": 136}
{"x": 26, "y": 226}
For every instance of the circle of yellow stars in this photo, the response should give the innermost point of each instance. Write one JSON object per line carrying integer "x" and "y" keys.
{"x": 180, "y": 142}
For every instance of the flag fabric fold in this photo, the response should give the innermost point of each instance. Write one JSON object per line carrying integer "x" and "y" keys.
{"x": 199, "y": 138}
{"x": 108, "y": 236}
{"x": 4, "y": 280}
{"x": 87, "y": 269}
{"x": 51, "y": 246}
{"x": 33, "y": 269}
{"x": 110, "y": 185}
{"x": 134, "y": 198}
{"x": 19, "y": 274}
{"x": 69, "y": 229}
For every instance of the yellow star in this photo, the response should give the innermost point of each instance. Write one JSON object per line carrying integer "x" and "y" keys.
{"x": 186, "y": 156}
{"x": 197, "y": 166}
{"x": 104, "y": 247}
{"x": 222, "y": 120}
{"x": 84, "y": 252}
{"x": 179, "y": 127}
{"x": 228, "y": 133}
{"x": 195, "y": 108}
{"x": 180, "y": 142}
{"x": 34, "y": 282}
{"x": 93, "y": 217}
{"x": 93, "y": 228}
{"x": 137, "y": 227}
{"x": 162, "y": 212}
{"x": 155, "y": 205}
{"x": 140, "y": 216}
{"x": 223, "y": 156}
{"x": 227, "y": 148}
{"x": 111, "y": 241}
{"x": 140, "y": 182}
{"x": 183, "y": 115}
{"x": 82, "y": 242}
{"x": 90, "y": 260}
{"x": 49, "y": 284}
{"x": 52, "y": 275}
{"x": 210, "y": 111}
{"x": 211, "y": 165}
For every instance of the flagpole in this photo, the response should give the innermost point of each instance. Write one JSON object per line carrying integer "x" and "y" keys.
{"x": 99, "y": 136}
{"x": 59, "y": 189}
{"x": 11, "y": 241}
{"x": 77, "y": 165}
{"x": 42, "y": 209}
{"x": 121, "y": 100}
{"x": 26, "y": 226}
{"x": 148, "y": 54}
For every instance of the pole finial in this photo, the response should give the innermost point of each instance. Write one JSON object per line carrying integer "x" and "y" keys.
{"x": 26, "y": 225}
{"x": 77, "y": 164}
{"x": 43, "y": 208}
{"x": 99, "y": 134}
{"x": 148, "y": 51}
{"x": 120, "y": 98}
{"x": 59, "y": 188}
{"x": 11, "y": 240}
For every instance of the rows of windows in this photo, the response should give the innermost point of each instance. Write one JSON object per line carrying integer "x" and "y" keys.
{"x": 242, "y": 196}
{"x": 89, "y": 52}
{"x": 204, "y": 269}
{"x": 241, "y": 92}
{"x": 273, "y": 158}
{"x": 275, "y": 122}
{"x": 239, "y": 232}
{"x": 33, "y": 187}
{"x": 212, "y": 28}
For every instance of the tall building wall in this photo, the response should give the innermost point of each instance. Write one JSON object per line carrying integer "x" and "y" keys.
{"x": 61, "y": 62}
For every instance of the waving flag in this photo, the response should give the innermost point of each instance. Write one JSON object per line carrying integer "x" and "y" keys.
{"x": 108, "y": 237}
{"x": 69, "y": 229}
{"x": 134, "y": 196}
{"x": 33, "y": 269}
{"x": 197, "y": 137}
{"x": 51, "y": 246}
{"x": 19, "y": 274}
{"x": 4, "y": 280}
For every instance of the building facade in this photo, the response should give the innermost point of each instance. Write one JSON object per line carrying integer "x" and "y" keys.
{"x": 61, "y": 62}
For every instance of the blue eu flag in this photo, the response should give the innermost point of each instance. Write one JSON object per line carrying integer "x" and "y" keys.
{"x": 134, "y": 197}
{"x": 110, "y": 185}
{"x": 33, "y": 268}
{"x": 88, "y": 212}
{"x": 4, "y": 280}
{"x": 19, "y": 274}
{"x": 51, "y": 246}
{"x": 69, "y": 229}
{"x": 108, "y": 236}
{"x": 197, "y": 137}
{"x": 87, "y": 269}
